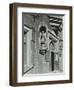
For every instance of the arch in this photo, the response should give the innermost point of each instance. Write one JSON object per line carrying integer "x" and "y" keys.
{"x": 51, "y": 46}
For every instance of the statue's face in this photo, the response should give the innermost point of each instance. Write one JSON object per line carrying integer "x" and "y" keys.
{"x": 42, "y": 32}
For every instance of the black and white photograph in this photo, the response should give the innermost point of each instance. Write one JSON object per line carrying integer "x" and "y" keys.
{"x": 42, "y": 43}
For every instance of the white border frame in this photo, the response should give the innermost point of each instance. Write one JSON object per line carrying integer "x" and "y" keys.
{"x": 44, "y": 77}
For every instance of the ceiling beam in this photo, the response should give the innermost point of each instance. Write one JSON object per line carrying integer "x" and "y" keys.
{"x": 53, "y": 21}
{"x": 56, "y": 18}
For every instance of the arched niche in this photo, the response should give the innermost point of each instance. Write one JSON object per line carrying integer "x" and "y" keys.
{"x": 42, "y": 35}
